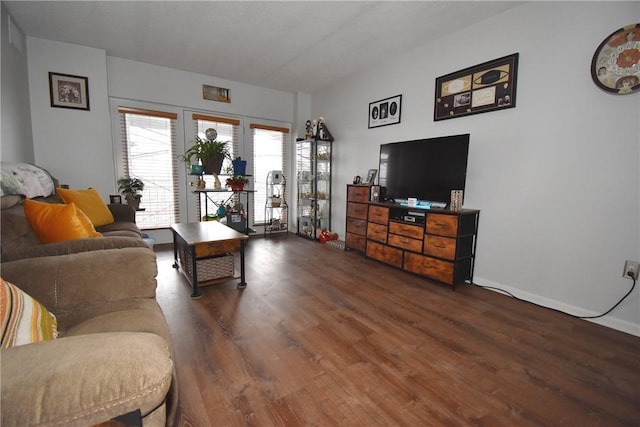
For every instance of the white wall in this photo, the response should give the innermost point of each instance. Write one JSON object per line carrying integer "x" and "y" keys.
{"x": 16, "y": 143}
{"x": 73, "y": 145}
{"x": 556, "y": 178}
{"x": 140, "y": 81}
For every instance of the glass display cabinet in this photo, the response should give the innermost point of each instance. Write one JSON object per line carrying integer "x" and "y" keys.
{"x": 313, "y": 165}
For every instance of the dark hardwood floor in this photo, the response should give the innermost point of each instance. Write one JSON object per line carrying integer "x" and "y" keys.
{"x": 323, "y": 337}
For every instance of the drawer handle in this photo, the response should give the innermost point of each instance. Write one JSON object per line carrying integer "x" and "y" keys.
{"x": 440, "y": 245}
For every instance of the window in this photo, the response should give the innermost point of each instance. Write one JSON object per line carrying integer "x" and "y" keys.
{"x": 228, "y": 130}
{"x": 270, "y": 152}
{"x": 149, "y": 153}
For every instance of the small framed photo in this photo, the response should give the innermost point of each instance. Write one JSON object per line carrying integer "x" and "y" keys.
{"x": 371, "y": 177}
{"x": 385, "y": 112}
{"x": 214, "y": 93}
{"x": 67, "y": 91}
{"x": 115, "y": 199}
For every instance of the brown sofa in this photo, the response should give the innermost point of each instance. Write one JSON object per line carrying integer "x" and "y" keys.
{"x": 113, "y": 354}
{"x": 19, "y": 241}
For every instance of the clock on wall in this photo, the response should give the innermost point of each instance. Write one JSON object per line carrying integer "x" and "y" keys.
{"x": 615, "y": 67}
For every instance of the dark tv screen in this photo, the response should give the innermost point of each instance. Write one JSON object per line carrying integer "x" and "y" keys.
{"x": 427, "y": 169}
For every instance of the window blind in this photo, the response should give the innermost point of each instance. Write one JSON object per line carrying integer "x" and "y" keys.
{"x": 270, "y": 152}
{"x": 149, "y": 153}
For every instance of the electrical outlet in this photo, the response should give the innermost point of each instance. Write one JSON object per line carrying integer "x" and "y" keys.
{"x": 631, "y": 269}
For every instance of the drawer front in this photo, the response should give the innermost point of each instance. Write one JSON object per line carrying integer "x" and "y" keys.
{"x": 409, "y": 230}
{"x": 217, "y": 248}
{"x": 442, "y": 247}
{"x": 379, "y": 214}
{"x": 357, "y": 210}
{"x": 442, "y": 225}
{"x": 358, "y": 193}
{"x": 357, "y": 226}
{"x": 430, "y": 267}
{"x": 385, "y": 254}
{"x": 377, "y": 232}
{"x": 405, "y": 242}
{"x": 355, "y": 242}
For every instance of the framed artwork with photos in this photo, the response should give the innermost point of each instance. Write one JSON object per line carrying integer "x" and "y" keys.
{"x": 68, "y": 91}
{"x": 479, "y": 89}
{"x": 385, "y": 112}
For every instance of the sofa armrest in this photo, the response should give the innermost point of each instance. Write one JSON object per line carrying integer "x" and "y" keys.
{"x": 72, "y": 246}
{"x": 62, "y": 283}
{"x": 122, "y": 213}
{"x": 84, "y": 380}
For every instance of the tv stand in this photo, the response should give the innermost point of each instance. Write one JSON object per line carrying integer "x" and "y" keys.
{"x": 439, "y": 244}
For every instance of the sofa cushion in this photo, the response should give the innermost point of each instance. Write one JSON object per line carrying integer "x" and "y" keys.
{"x": 84, "y": 380}
{"x": 120, "y": 229}
{"x": 23, "y": 320}
{"x": 90, "y": 202}
{"x": 56, "y": 222}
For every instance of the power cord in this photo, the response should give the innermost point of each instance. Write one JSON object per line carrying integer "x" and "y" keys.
{"x": 630, "y": 274}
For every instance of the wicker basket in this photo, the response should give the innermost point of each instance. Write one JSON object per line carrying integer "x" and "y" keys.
{"x": 210, "y": 268}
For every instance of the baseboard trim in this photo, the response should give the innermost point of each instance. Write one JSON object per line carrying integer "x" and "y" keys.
{"x": 608, "y": 321}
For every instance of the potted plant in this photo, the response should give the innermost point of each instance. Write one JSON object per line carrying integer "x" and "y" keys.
{"x": 239, "y": 166}
{"x": 236, "y": 182}
{"x": 210, "y": 152}
{"x": 131, "y": 189}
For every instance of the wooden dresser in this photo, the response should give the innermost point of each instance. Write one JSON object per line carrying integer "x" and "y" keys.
{"x": 357, "y": 205}
{"x": 436, "y": 243}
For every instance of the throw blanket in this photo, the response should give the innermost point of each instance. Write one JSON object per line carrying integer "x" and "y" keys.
{"x": 26, "y": 180}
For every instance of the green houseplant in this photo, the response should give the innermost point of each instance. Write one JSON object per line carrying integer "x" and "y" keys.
{"x": 131, "y": 189}
{"x": 210, "y": 152}
{"x": 237, "y": 182}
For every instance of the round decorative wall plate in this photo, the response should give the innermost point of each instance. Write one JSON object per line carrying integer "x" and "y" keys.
{"x": 615, "y": 67}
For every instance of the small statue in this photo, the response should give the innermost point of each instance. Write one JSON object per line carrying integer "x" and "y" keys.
{"x": 309, "y": 130}
{"x": 201, "y": 183}
{"x": 216, "y": 183}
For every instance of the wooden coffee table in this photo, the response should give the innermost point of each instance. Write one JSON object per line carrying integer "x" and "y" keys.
{"x": 204, "y": 241}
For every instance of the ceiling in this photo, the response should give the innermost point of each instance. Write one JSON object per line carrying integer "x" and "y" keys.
{"x": 285, "y": 45}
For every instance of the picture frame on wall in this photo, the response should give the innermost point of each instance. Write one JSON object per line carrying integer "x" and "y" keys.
{"x": 215, "y": 93}
{"x": 479, "y": 89}
{"x": 69, "y": 91}
{"x": 385, "y": 112}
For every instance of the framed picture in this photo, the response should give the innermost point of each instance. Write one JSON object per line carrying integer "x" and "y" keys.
{"x": 67, "y": 91}
{"x": 478, "y": 89}
{"x": 115, "y": 199}
{"x": 385, "y": 112}
{"x": 214, "y": 93}
{"x": 371, "y": 177}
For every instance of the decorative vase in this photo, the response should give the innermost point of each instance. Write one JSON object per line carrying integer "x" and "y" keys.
{"x": 197, "y": 169}
{"x": 239, "y": 167}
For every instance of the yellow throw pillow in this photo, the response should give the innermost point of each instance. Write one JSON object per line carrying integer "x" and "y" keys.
{"x": 56, "y": 222}
{"x": 23, "y": 320}
{"x": 87, "y": 224}
{"x": 90, "y": 202}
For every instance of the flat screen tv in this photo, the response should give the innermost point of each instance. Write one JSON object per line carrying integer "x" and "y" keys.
{"x": 425, "y": 169}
